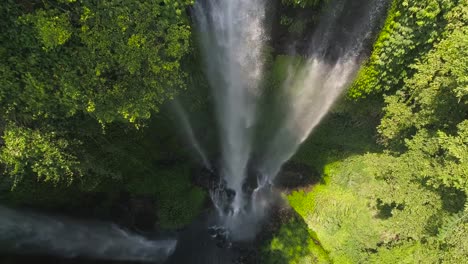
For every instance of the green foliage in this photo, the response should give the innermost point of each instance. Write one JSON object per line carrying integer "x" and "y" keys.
{"x": 117, "y": 65}
{"x": 285, "y": 20}
{"x": 67, "y": 65}
{"x": 133, "y": 54}
{"x": 373, "y": 207}
{"x": 410, "y": 30}
{"x": 407, "y": 204}
{"x": 76, "y": 79}
{"x": 45, "y": 195}
{"x": 297, "y": 27}
{"x": 42, "y": 153}
{"x": 341, "y": 134}
{"x": 53, "y": 30}
{"x": 340, "y": 217}
{"x": 436, "y": 96}
{"x": 179, "y": 209}
{"x": 407, "y": 253}
{"x": 453, "y": 239}
{"x": 178, "y": 202}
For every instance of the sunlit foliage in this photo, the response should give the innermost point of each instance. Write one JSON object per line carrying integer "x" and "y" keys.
{"x": 67, "y": 64}
{"x": 411, "y": 29}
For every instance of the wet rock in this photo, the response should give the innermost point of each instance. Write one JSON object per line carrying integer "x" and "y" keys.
{"x": 204, "y": 178}
{"x": 295, "y": 175}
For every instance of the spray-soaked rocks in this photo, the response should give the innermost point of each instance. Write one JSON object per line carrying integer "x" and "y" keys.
{"x": 294, "y": 175}
{"x": 204, "y": 178}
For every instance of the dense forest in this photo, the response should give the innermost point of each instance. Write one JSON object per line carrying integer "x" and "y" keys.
{"x": 88, "y": 127}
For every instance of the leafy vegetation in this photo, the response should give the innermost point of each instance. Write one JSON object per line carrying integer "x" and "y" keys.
{"x": 178, "y": 201}
{"x": 81, "y": 83}
{"x": 411, "y": 29}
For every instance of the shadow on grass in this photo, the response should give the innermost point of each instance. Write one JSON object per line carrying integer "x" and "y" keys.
{"x": 337, "y": 138}
{"x": 294, "y": 243}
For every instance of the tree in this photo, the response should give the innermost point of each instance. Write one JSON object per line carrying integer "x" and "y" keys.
{"x": 411, "y": 29}
{"x": 436, "y": 96}
{"x": 45, "y": 154}
{"x": 68, "y": 63}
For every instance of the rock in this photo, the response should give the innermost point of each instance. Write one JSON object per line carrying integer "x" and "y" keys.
{"x": 294, "y": 175}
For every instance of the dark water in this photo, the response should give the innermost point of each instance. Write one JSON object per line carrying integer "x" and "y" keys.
{"x": 197, "y": 244}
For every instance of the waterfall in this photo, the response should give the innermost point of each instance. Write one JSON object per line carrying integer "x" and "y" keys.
{"x": 190, "y": 135}
{"x": 232, "y": 37}
{"x": 336, "y": 48}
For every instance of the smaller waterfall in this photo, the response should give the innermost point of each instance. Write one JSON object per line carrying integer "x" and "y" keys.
{"x": 190, "y": 135}
{"x": 31, "y": 233}
{"x": 312, "y": 88}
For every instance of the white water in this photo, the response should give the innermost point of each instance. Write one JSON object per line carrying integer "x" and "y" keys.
{"x": 26, "y": 232}
{"x": 312, "y": 89}
{"x": 232, "y": 36}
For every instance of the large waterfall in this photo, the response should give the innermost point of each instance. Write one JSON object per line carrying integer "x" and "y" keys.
{"x": 232, "y": 35}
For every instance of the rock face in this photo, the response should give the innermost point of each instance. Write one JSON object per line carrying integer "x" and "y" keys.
{"x": 295, "y": 175}
{"x": 204, "y": 178}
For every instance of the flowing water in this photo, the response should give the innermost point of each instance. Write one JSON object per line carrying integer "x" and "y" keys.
{"x": 190, "y": 135}
{"x": 31, "y": 233}
{"x": 336, "y": 49}
{"x": 232, "y": 36}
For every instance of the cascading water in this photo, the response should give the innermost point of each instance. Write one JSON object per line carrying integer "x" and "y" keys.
{"x": 315, "y": 86}
{"x": 187, "y": 128}
{"x": 26, "y": 232}
{"x": 232, "y": 36}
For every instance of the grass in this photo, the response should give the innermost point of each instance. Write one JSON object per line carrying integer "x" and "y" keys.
{"x": 294, "y": 243}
